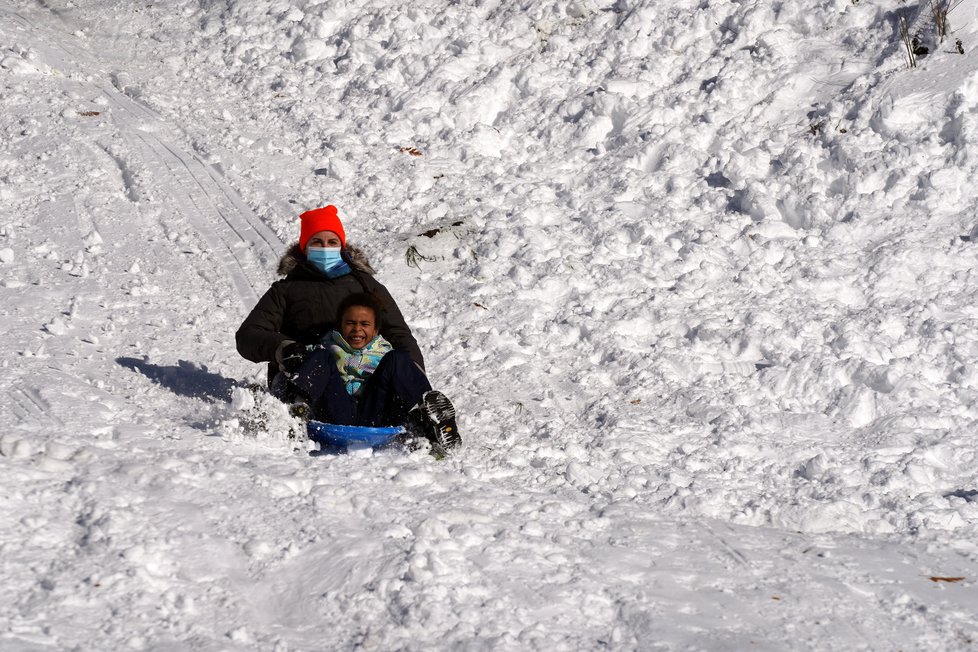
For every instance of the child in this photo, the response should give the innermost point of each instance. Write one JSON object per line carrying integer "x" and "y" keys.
{"x": 354, "y": 377}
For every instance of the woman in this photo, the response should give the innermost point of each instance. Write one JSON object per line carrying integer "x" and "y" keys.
{"x": 301, "y": 310}
{"x": 320, "y": 271}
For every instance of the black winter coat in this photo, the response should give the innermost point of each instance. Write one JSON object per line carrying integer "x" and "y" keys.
{"x": 303, "y": 305}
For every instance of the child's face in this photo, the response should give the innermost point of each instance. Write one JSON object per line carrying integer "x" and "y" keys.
{"x": 358, "y": 326}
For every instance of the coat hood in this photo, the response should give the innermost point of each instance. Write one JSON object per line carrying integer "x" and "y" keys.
{"x": 294, "y": 256}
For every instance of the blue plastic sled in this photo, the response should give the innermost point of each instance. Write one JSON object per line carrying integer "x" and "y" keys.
{"x": 338, "y": 439}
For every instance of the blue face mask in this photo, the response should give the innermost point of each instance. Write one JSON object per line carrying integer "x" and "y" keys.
{"x": 328, "y": 260}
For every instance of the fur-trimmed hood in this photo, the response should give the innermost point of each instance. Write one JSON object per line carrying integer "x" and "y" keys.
{"x": 352, "y": 254}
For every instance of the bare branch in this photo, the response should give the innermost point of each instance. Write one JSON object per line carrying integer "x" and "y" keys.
{"x": 907, "y": 42}
{"x": 939, "y": 9}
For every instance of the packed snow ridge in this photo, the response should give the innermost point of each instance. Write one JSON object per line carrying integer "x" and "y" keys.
{"x": 700, "y": 277}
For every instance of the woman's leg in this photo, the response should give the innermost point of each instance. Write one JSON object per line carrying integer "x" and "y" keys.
{"x": 320, "y": 380}
{"x": 282, "y": 389}
{"x": 395, "y": 387}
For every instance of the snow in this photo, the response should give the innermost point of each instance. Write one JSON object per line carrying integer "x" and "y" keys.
{"x": 699, "y": 276}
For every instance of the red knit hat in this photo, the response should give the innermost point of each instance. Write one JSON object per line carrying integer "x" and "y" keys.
{"x": 320, "y": 219}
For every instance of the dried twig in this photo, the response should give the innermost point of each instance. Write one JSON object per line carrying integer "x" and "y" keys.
{"x": 939, "y": 9}
{"x": 907, "y": 42}
{"x": 414, "y": 258}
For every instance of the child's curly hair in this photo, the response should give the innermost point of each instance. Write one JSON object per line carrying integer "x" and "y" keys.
{"x": 365, "y": 300}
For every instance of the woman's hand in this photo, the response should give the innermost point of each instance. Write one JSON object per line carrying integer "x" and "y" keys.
{"x": 290, "y": 355}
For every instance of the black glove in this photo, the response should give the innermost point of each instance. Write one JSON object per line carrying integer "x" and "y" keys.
{"x": 290, "y": 355}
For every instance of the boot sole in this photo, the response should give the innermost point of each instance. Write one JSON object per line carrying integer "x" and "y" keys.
{"x": 440, "y": 411}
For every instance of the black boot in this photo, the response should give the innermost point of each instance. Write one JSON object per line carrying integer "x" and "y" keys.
{"x": 435, "y": 416}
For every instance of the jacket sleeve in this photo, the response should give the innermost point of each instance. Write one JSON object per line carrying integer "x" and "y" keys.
{"x": 260, "y": 333}
{"x": 393, "y": 327}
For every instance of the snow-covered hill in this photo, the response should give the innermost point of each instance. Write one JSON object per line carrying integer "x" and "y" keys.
{"x": 699, "y": 275}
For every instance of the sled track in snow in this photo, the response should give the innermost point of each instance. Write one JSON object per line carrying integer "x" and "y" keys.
{"x": 244, "y": 246}
{"x": 28, "y": 406}
{"x": 198, "y": 198}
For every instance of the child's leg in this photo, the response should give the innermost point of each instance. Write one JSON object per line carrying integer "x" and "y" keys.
{"x": 395, "y": 387}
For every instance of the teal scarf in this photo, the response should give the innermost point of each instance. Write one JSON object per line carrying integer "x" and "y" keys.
{"x": 355, "y": 366}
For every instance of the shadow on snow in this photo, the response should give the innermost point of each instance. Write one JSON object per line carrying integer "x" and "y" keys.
{"x": 184, "y": 379}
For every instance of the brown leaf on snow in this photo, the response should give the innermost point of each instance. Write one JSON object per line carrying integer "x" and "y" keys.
{"x": 413, "y": 151}
{"x": 89, "y": 114}
{"x": 946, "y": 579}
